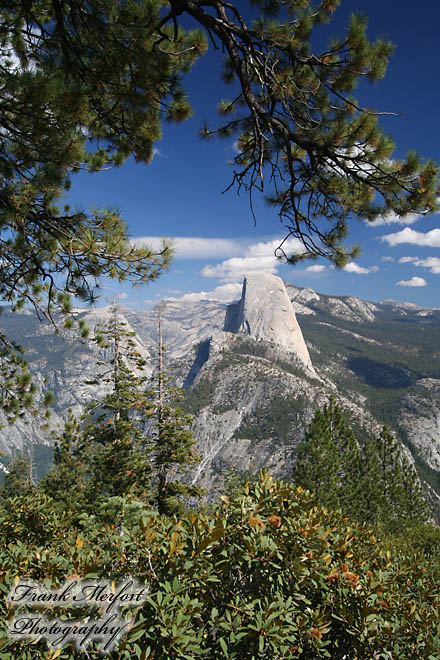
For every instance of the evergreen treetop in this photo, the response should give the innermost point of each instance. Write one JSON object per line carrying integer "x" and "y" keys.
{"x": 106, "y": 451}
{"x": 19, "y": 479}
{"x": 374, "y": 483}
{"x": 133, "y": 442}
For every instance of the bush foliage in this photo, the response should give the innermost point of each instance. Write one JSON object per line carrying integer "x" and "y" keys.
{"x": 268, "y": 574}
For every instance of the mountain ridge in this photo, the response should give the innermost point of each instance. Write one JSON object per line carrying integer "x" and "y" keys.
{"x": 252, "y": 400}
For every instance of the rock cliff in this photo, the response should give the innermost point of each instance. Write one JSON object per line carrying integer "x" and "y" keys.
{"x": 265, "y": 313}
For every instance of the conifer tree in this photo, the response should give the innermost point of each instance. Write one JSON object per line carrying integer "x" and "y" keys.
{"x": 374, "y": 484}
{"x": 67, "y": 481}
{"x": 17, "y": 391}
{"x": 329, "y": 460}
{"x": 396, "y": 493}
{"x": 19, "y": 480}
{"x": 134, "y": 441}
{"x": 173, "y": 445}
{"x": 107, "y": 451}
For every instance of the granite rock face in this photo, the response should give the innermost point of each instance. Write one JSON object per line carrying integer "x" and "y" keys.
{"x": 265, "y": 313}
{"x": 421, "y": 418}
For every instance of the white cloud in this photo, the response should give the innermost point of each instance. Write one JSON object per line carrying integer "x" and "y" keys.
{"x": 407, "y": 260}
{"x": 387, "y": 258}
{"x": 428, "y": 239}
{"x": 317, "y": 268}
{"x": 392, "y": 217}
{"x": 238, "y": 267}
{"x": 224, "y": 293}
{"x": 195, "y": 247}
{"x": 353, "y": 267}
{"x": 363, "y": 168}
{"x": 8, "y": 54}
{"x": 262, "y": 249}
{"x": 257, "y": 258}
{"x": 121, "y": 296}
{"x": 433, "y": 263}
{"x": 414, "y": 281}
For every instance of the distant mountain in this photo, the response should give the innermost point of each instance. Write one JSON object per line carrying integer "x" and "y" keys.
{"x": 256, "y": 369}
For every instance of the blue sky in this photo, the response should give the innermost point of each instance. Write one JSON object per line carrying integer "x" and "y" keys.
{"x": 180, "y": 193}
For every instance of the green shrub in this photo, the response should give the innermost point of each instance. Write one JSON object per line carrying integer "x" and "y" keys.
{"x": 268, "y": 575}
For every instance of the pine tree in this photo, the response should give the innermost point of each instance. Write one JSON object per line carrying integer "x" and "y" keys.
{"x": 19, "y": 480}
{"x": 374, "y": 484}
{"x": 134, "y": 442}
{"x": 329, "y": 461}
{"x": 173, "y": 445}
{"x": 397, "y": 497}
{"x": 69, "y": 467}
{"x": 107, "y": 452}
